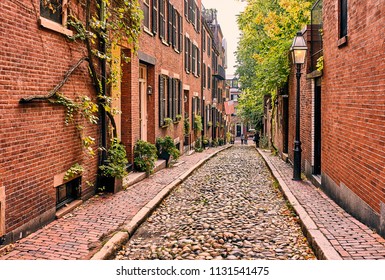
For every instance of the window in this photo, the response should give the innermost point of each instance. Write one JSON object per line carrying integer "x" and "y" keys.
{"x": 52, "y": 10}
{"x": 53, "y": 15}
{"x": 170, "y": 98}
{"x": 146, "y": 13}
{"x": 343, "y": 18}
{"x": 162, "y": 19}
{"x": 68, "y": 192}
{"x": 154, "y": 16}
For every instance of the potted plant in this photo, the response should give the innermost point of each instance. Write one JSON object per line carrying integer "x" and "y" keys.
{"x": 167, "y": 122}
{"x": 198, "y": 123}
{"x": 214, "y": 143}
{"x": 145, "y": 155}
{"x": 114, "y": 168}
{"x": 205, "y": 142}
{"x": 228, "y": 137}
{"x": 166, "y": 149}
{"x": 220, "y": 141}
{"x": 178, "y": 117}
{"x": 198, "y": 145}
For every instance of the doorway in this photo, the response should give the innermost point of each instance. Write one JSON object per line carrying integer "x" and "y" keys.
{"x": 143, "y": 117}
{"x": 317, "y": 127}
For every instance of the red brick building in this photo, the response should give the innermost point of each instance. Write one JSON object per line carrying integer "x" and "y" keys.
{"x": 342, "y": 107}
{"x": 157, "y": 90}
{"x": 37, "y": 146}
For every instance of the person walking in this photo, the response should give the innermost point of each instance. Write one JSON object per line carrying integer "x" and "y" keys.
{"x": 242, "y": 138}
{"x": 256, "y": 139}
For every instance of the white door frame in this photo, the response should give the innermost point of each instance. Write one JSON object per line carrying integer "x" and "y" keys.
{"x": 143, "y": 112}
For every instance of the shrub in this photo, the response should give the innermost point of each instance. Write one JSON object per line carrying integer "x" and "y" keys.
{"x": 145, "y": 155}
{"x": 167, "y": 145}
{"x": 198, "y": 123}
{"x": 186, "y": 126}
{"x": 116, "y": 163}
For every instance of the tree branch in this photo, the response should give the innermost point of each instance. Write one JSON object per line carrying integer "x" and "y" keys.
{"x": 58, "y": 86}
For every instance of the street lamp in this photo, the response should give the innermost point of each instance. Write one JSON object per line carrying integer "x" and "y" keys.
{"x": 298, "y": 50}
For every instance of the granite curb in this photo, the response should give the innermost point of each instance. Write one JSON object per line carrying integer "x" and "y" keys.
{"x": 129, "y": 228}
{"x": 323, "y": 249}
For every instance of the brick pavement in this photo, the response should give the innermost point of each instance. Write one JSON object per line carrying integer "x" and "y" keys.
{"x": 351, "y": 239}
{"x": 79, "y": 234}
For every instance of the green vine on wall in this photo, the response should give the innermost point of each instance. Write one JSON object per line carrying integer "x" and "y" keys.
{"x": 106, "y": 23}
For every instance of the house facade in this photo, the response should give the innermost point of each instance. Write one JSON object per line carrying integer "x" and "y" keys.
{"x": 342, "y": 107}
{"x": 39, "y": 141}
{"x": 158, "y": 92}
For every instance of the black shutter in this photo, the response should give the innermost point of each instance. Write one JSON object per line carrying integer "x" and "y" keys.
{"x": 198, "y": 62}
{"x": 170, "y": 11}
{"x": 154, "y": 12}
{"x": 198, "y": 19}
{"x": 186, "y": 8}
{"x": 185, "y": 54}
{"x": 180, "y": 91}
{"x": 174, "y": 101}
{"x": 161, "y": 19}
{"x": 174, "y": 34}
{"x": 193, "y": 112}
{"x": 161, "y": 100}
{"x": 169, "y": 98}
{"x": 180, "y": 28}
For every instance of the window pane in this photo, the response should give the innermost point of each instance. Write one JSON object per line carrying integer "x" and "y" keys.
{"x": 343, "y": 18}
{"x": 51, "y": 10}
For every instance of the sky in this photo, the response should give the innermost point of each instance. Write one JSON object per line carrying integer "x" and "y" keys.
{"x": 227, "y": 11}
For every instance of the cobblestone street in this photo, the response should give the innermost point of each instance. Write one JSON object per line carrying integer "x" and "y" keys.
{"x": 230, "y": 208}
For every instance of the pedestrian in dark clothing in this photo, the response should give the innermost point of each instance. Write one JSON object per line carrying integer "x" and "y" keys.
{"x": 242, "y": 138}
{"x": 256, "y": 139}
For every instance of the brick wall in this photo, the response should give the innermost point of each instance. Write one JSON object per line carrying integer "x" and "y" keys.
{"x": 167, "y": 61}
{"x": 36, "y": 145}
{"x": 353, "y": 101}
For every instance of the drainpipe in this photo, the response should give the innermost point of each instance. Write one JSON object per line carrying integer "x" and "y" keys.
{"x": 103, "y": 62}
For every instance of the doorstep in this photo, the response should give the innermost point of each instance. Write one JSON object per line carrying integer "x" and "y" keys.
{"x": 135, "y": 177}
{"x": 68, "y": 208}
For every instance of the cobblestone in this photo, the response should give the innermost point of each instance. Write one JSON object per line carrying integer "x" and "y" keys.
{"x": 349, "y": 237}
{"x": 228, "y": 209}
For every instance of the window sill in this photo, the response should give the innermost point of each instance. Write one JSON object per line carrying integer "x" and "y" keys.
{"x": 165, "y": 43}
{"x": 342, "y": 42}
{"x": 54, "y": 26}
{"x": 146, "y": 30}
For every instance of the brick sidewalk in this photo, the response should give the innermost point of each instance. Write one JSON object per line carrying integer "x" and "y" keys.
{"x": 338, "y": 235}
{"x": 79, "y": 234}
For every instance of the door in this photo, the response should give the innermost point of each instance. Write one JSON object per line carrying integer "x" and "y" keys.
{"x": 143, "y": 101}
{"x": 317, "y": 127}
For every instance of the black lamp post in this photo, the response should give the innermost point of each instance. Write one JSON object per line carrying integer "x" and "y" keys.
{"x": 298, "y": 50}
